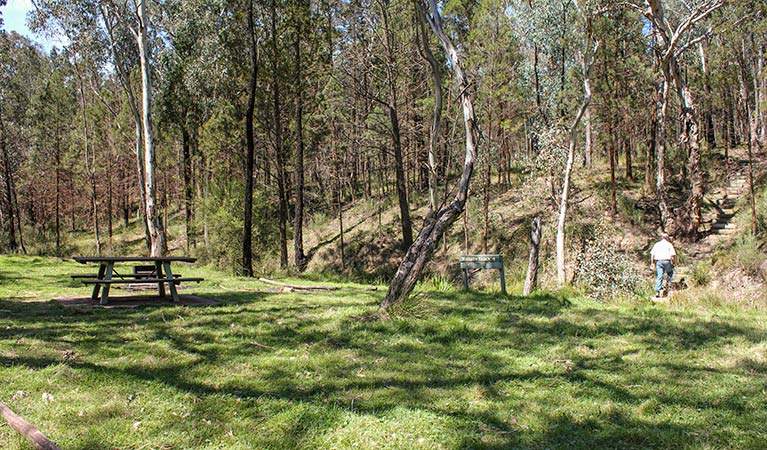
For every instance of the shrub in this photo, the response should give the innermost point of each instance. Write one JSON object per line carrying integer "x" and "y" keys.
{"x": 604, "y": 271}
{"x": 700, "y": 275}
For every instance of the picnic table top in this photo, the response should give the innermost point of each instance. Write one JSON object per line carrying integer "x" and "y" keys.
{"x": 153, "y": 259}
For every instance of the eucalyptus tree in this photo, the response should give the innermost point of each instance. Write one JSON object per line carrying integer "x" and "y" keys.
{"x": 674, "y": 32}
{"x": 436, "y": 223}
{"x": 586, "y": 14}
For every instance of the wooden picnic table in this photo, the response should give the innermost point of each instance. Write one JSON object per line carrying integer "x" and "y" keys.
{"x": 159, "y": 273}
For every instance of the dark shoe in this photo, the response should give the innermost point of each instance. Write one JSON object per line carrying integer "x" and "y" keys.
{"x": 657, "y": 293}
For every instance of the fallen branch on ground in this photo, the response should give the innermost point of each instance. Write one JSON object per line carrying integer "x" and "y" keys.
{"x": 297, "y": 287}
{"x": 26, "y": 429}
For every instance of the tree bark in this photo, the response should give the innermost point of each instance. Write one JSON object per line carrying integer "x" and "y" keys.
{"x": 278, "y": 144}
{"x": 437, "y": 114}
{"x": 250, "y": 150}
{"x": 299, "y": 257}
{"x": 156, "y": 233}
{"x": 409, "y": 270}
{"x": 28, "y": 430}
{"x": 391, "y": 106}
{"x": 531, "y": 280}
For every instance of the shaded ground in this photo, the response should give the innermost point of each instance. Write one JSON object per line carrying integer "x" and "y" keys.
{"x": 133, "y": 301}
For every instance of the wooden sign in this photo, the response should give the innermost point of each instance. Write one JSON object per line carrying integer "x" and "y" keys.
{"x": 481, "y": 262}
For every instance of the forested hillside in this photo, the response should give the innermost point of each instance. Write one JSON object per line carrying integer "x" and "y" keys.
{"x": 321, "y": 136}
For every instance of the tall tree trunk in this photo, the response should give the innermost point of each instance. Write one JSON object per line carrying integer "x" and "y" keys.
{"x": 588, "y": 53}
{"x": 250, "y": 150}
{"x": 391, "y": 106}
{"x": 278, "y": 144}
{"x": 409, "y": 270}
{"x": 109, "y": 19}
{"x": 57, "y": 160}
{"x": 661, "y": 104}
{"x": 298, "y": 222}
{"x": 8, "y": 178}
{"x": 752, "y": 132}
{"x": 156, "y": 232}
{"x": 90, "y": 162}
{"x": 689, "y": 215}
{"x": 708, "y": 117}
{"x": 186, "y": 169}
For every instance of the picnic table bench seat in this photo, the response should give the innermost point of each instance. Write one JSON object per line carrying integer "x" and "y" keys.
{"x": 136, "y": 276}
{"x": 176, "y": 280}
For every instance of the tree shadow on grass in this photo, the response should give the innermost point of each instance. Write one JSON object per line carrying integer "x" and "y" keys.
{"x": 307, "y": 362}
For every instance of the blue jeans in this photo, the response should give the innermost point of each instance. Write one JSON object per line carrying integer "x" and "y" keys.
{"x": 663, "y": 267}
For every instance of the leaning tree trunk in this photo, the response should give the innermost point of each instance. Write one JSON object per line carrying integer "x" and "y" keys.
{"x": 420, "y": 252}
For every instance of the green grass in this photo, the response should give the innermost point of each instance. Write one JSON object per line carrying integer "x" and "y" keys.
{"x": 288, "y": 370}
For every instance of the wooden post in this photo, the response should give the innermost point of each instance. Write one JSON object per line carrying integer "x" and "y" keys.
{"x": 531, "y": 280}
{"x": 26, "y": 429}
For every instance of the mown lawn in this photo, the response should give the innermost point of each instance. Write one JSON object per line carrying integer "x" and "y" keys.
{"x": 286, "y": 370}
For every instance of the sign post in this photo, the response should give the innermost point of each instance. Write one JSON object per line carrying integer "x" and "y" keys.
{"x": 482, "y": 262}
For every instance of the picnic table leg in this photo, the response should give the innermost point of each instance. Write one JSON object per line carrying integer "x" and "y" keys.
{"x": 107, "y": 276}
{"x": 160, "y": 286}
{"x": 97, "y": 287}
{"x": 171, "y": 283}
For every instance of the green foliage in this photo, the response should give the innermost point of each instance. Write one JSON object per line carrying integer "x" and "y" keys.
{"x": 441, "y": 283}
{"x": 700, "y": 275}
{"x": 223, "y": 209}
{"x": 746, "y": 255}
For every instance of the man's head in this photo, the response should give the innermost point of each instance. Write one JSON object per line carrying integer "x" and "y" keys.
{"x": 665, "y": 236}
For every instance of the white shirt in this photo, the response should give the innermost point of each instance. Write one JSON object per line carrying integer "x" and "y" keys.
{"x": 662, "y": 250}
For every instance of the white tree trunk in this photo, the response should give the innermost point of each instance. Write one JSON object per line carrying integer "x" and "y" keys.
{"x": 156, "y": 234}
{"x": 588, "y": 53}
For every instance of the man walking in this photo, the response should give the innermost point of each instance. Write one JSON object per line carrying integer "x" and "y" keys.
{"x": 663, "y": 256}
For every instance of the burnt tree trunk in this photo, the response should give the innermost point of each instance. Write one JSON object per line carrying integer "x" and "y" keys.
{"x": 247, "y": 236}
{"x": 531, "y": 280}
